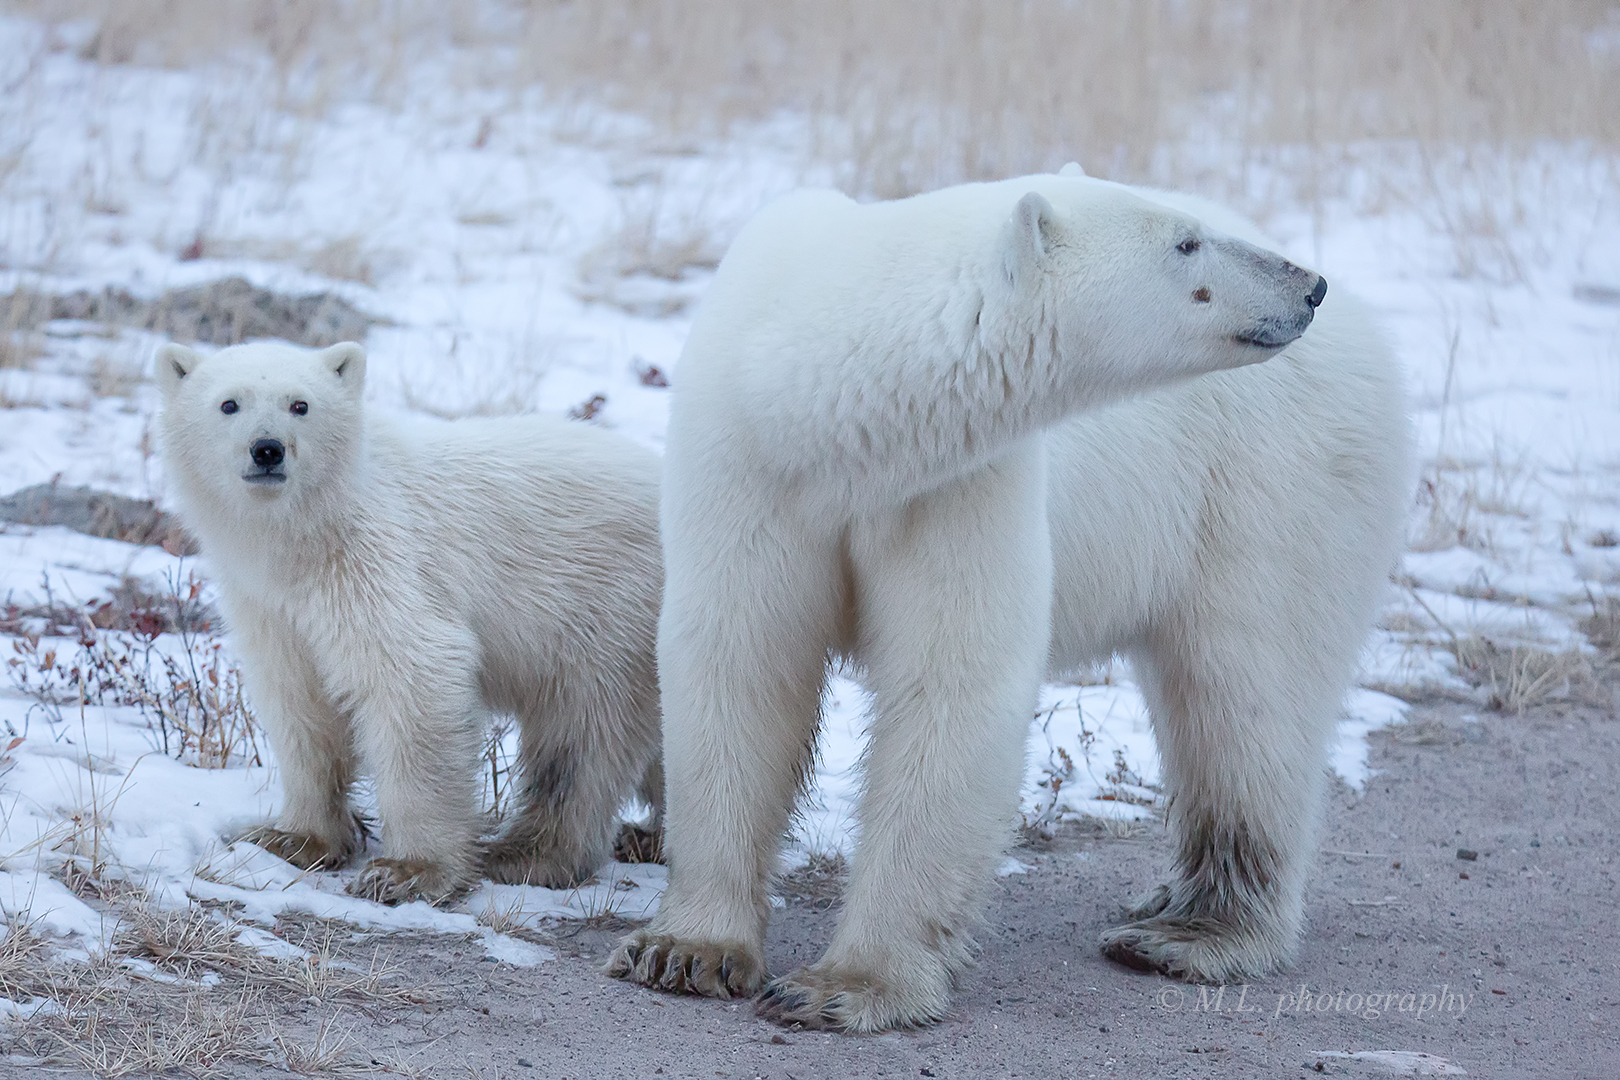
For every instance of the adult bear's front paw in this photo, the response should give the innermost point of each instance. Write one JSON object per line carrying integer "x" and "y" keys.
{"x": 828, "y": 998}
{"x": 397, "y": 881}
{"x": 710, "y": 969}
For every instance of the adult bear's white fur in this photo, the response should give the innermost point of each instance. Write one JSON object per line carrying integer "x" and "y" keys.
{"x": 880, "y": 447}
{"x": 401, "y": 577}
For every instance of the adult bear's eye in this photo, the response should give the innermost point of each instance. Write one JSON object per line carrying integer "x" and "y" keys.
{"x": 299, "y": 408}
{"x": 227, "y": 406}
{"x": 1188, "y": 246}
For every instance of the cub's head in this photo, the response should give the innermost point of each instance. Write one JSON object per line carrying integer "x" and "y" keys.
{"x": 1146, "y": 291}
{"x": 259, "y": 425}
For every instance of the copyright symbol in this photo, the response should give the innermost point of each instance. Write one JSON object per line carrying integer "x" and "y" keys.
{"x": 1170, "y": 998}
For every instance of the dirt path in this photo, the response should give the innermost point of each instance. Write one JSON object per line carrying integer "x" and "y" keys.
{"x": 1507, "y": 965}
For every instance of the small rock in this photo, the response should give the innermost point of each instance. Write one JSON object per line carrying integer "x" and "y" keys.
{"x": 1467, "y": 855}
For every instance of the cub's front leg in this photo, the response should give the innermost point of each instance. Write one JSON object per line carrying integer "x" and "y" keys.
{"x": 317, "y": 828}
{"x": 418, "y": 728}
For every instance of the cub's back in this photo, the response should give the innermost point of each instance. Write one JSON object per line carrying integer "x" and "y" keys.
{"x": 534, "y": 528}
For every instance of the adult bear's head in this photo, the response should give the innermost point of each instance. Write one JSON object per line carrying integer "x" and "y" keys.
{"x": 1146, "y": 293}
{"x": 261, "y": 426}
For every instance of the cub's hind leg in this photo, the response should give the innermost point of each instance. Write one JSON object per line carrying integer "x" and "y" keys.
{"x": 582, "y": 755}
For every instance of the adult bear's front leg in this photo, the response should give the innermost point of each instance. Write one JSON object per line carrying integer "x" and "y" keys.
{"x": 742, "y": 646}
{"x": 953, "y": 602}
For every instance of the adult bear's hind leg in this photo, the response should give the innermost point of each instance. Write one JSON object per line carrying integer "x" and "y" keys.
{"x": 1242, "y": 725}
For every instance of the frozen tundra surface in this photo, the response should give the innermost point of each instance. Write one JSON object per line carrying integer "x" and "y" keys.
{"x": 1502, "y": 965}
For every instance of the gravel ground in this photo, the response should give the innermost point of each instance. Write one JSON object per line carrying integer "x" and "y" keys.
{"x": 1501, "y": 965}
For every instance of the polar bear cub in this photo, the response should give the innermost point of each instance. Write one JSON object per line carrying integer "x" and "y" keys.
{"x": 958, "y": 440}
{"x": 390, "y": 582}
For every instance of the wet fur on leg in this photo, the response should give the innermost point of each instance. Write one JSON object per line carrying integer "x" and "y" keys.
{"x": 1224, "y": 918}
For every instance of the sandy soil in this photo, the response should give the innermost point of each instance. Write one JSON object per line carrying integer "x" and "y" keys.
{"x": 1506, "y": 965}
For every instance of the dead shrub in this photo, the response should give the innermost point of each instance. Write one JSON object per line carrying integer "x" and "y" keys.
{"x": 188, "y": 688}
{"x": 1602, "y": 627}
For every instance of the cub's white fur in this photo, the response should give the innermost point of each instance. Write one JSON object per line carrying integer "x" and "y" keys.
{"x": 898, "y": 435}
{"x": 387, "y": 582}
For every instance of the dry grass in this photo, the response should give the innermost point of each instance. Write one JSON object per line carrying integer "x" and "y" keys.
{"x": 506, "y": 919}
{"x": 654, "y": 244}
{"x": 819, "y": 882}
{"x": 1461, "y": 499}
{"x": 20, "y": 346}
{"x": 178, "y": 991}
{"x": 911, "y": 94}
{"x": 1520, "y": 677}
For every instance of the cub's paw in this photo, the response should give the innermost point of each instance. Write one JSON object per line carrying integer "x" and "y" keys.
{"x": 508, "y": 863}
{"x": 301, "y": 849}
{"x": 397, "y": 881}
{"x": 827, "y": 998}
{"x": 1194, "y": 949}
{"x": 709, "y": 969}
{"x": 637, "y": 845}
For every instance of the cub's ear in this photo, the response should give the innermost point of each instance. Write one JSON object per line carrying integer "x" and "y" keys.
{"x": 1029, "y": 235}
{"x": 347, "y": 361}
{"x": 174, "y": 363}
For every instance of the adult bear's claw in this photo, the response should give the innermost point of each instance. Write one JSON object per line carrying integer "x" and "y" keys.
{"x": 708, "y": 969}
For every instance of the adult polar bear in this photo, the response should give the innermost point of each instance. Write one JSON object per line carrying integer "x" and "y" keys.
{"x": 889, "y": 442}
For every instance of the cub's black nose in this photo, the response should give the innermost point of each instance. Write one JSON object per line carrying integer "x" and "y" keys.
{"x": 267, "y": 453}
{"x": 1315, "y": 299}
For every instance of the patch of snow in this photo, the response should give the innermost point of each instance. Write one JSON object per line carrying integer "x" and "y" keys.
{"x": 1395, "y": 1062}
{"x": 1364, "y": 711}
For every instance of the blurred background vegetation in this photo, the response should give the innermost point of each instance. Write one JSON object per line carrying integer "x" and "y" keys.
{"x": 906, "y": 95}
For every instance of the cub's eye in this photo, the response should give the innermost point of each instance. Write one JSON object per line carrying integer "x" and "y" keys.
{"x": 299, "y": 408}
{"x": 1188, "y": 246}
{"x": 228, "y": 406}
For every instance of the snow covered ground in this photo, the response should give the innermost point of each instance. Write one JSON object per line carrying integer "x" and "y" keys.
{"x": 525, "y": 259}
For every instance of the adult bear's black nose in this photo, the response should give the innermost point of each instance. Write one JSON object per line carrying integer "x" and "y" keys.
{"x": 267, "y": 453}
{"x": 1315, "y": 299}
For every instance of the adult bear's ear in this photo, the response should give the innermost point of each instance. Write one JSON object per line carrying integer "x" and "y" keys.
{"x": 1029, "y": 235}
{"x": 174, "y": 363}
{"x": 347, "y": 361}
